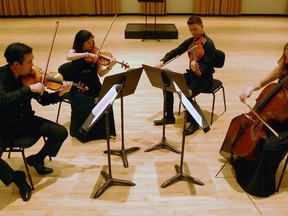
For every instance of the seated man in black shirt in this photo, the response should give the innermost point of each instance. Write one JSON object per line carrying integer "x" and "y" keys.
{"x": 17, "y": 116}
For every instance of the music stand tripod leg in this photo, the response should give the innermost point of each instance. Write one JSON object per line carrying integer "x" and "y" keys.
{"x": 163, "y": 143}
{"x": 123, "y": 152}
{"x": 179, "y": 169}
{"x": 110, "y": 181}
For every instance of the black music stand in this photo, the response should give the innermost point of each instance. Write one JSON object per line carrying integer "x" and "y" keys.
{"x": 158, "y": 79}
{"x": 146, "y": 35}
{"x": 130, "y": 80}
{"x": 178, "y": 83}
{"x": 101, "y": 108}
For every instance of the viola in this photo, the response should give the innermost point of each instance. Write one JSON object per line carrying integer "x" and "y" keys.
{"x": 52, "y": 80}
{"x": 246, "y": 131}
{"x": 196, "y": 52}
{"x": 104, "y": 58}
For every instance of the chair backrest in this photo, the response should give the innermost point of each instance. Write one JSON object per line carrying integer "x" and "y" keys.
{"x": 66, "y": 71}
{"x": 219, "y": 58}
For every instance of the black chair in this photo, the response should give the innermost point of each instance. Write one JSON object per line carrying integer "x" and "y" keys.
{"x": 19, "y": 145}
{"x": 217, "y": 84}
{"x": 66, "y": 99}
{"x": 66, "y": 71}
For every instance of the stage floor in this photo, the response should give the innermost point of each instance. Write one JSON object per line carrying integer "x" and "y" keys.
{"x": 153, "y": 31}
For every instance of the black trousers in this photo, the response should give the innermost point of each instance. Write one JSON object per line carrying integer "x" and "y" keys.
{"x": 196, "y": 84}
{"x": 35, "y": 127}
{"x": 6, "y": 172}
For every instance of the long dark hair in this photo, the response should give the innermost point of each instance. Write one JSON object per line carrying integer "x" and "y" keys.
{"x": 80, "y": 38}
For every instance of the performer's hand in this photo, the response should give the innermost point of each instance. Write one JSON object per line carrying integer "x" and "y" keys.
{"x": 95, "y": 57}
{"x": 112, "y": 63}
{"x": 66, "y": 86}
{"x": 195, "y": 68}
{"x": 159, "y": 64}
{"x": 246, "y": 93}
{"x": 37, "y": 88}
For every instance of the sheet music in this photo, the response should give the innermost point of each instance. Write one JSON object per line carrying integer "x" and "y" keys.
{"x": 187, "y": 104}
{"x": 100, "y": 107}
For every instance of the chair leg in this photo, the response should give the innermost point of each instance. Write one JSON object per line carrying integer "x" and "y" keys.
{"x": 58, "y": 112}
{"x": 221, "y": 168}
{"x": 9, "y": 152}
{"x": 213, "y": 105}
{"x": 224, "y": 98}
{"x": 27, "y": 168}
{"x": 282, "y": 174}
{"x": 179, "y": 109}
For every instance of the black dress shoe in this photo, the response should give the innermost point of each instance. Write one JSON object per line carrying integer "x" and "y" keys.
{"x": 191, "y": 129}
{"x": 38, "y": 166}
{"x": 25, "y": 190}
{"x": 169, "y": 120}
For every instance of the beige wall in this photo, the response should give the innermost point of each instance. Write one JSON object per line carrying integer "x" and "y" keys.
{"x": 264, "y": 6}
{"x": 186, "y": 6}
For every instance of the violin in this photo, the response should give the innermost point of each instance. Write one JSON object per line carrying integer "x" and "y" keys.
{"x": 52, "y": 80}
{"x": 196, "y": 52}
{"x": 246, "y": 131}
{"x": 104, "y": 58}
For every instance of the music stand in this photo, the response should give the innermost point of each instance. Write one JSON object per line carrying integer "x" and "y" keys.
{"x": 146, "y": 15}
{"x": 178, "y": 83}
{"x": 101, "y": 108}
{"x": 158, "y": 79}
{"x": 130, "y": 80}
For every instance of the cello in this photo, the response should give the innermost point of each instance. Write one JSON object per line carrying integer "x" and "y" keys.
{"x": 247, "y": 131}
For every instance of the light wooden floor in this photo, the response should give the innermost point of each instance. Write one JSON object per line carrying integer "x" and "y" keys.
{"x": 252, "y": 46}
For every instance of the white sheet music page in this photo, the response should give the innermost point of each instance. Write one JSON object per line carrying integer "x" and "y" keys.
{"x": 187, "y": 104}
{"x": 107, "y": 100}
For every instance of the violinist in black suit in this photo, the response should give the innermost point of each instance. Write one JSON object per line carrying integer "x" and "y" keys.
{"x": 18, "y": 119}
{"x": 199, "y": 76}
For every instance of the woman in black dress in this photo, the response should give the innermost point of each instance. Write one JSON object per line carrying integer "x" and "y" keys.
{"x": 257, "y": 177}
{"x": 86, "y": 69}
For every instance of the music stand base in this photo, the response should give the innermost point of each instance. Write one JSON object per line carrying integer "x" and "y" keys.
{"x": 123, "y": 154}
{"x": 181, "y": 176}
{"x": 111, "y": 182}
{"x": 163, "y": 144}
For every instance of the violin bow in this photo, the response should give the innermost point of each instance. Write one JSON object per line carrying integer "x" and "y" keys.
{"x": 107, "y": 33}
{"x": 267, "y": 125}
{"x": 192, "y": 48}
{"x": 52, "y": 44}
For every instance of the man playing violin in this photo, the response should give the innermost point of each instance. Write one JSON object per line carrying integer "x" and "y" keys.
{"x": 257, "y": 177}
{"x": 199, "y": 75}
{"x": 85, "y": 67}
{"x": 18, "y": 119}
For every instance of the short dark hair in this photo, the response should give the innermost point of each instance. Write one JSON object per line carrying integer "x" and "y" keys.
{"x": 16, "y": 51}
{"x": 81, "y": 37}
{"x": 194, "y": 20}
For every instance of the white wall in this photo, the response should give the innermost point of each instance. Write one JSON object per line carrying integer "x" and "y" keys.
{"x": 186, "y": 6}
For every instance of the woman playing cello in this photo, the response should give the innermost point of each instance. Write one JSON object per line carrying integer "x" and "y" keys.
{"x": 257, "y": 177}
